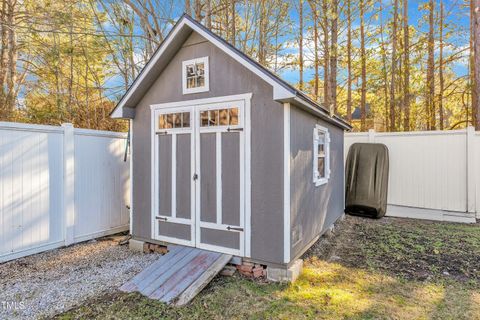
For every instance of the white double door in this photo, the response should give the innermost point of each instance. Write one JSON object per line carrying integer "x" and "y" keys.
{"x": 199, "y": 175}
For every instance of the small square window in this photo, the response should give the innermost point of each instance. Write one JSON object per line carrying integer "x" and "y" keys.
{"x": 195, "y": 75}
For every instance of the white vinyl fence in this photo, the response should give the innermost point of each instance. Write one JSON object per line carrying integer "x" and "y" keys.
{"x": 58, "y": 186}
{"x": 433, "y": 175}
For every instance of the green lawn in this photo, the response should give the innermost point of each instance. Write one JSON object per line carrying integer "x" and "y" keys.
{"x": 369, "y": 269}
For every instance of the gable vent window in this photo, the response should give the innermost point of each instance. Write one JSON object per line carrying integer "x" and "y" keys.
{"x": 195, "y": 75}
{"x": 321, "y": 155}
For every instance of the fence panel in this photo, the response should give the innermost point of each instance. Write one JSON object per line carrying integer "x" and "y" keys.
{"x": 428, "y": 173}
{"x": 101, "y": 183}
{"x": 34, "y": 190}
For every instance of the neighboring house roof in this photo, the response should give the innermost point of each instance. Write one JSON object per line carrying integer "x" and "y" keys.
{"x": 282, "y": 91}
{"x": 357, "y": 113}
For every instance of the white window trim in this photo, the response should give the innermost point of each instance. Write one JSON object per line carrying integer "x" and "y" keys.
{"x": 316, "y": 179}
{"x": 206, "y": 87}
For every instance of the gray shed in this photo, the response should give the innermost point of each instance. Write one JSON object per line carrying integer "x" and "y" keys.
{"x": 226, "y": 156}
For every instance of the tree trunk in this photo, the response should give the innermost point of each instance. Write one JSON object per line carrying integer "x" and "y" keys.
{"x": 334, "y": 58}
{"x": 473, "y": 94}
{"x": 313, "y": 7}
{"x": 394, "y": 66}
{"x": 208, "y": 14}
{"x": 12, "y": 56}
{"x": 349, "y": 61}
{"x": 406, "y": 66}
{"x": 188, "y": 8}
{"x": 431, "y": 69}
{"x": 300, "y": 43}
{"x": 384, "y": 70}
{"x": 262, "y": 35}
{"x": 363, "y": 58}
{"x": 477, "y": 61}
{"x": 440, "y": 68}
{"x": 234, "y": 31}
{"x": 326, "y": 56}
{"x": 3, "y": 60}
{"x": 198, "y": 10}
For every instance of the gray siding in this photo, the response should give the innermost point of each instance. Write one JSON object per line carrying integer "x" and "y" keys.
{"x": 227, "y": 77}
{"x": 313, "y": 209}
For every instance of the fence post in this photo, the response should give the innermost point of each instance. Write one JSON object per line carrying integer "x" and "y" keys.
{"x": 68, "y": 183}
{"x": 471, "y": 187}
{"x": 371, "y": 135}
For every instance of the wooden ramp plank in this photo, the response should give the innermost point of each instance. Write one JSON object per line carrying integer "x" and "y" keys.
{"x": 179, "y": 275}
{"x": 150, "y": 288}
{"x": 164, "y": 268}
{"x": 154, "y": 270}
{"x": 202, "y": 281}
{"x": 185, "y": 277}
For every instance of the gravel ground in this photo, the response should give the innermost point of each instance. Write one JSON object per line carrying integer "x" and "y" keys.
{"x": 45, "y": 284}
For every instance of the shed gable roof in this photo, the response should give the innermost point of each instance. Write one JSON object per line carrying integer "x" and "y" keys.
{"x": 282, "y": 91}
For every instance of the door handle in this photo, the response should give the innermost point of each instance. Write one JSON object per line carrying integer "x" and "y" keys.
{"x": 234, "y": 229}
{"x": 195, "y": 176}
{"x": 234, "y": 129}
{"x": 161, "y": 218}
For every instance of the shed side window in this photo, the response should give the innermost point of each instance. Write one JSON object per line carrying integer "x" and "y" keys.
{"x": 321, "y": 155}
{"x": 195, "y": 75}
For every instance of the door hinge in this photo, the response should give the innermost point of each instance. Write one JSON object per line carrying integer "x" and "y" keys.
{"x": 234, "y": 228}
{"x": 195, "y": 176}
{"x": 161, "y": 218}
{"x": 234, "y": 129}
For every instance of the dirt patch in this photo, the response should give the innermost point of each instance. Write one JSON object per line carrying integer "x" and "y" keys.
{"x": 413, "y": 249}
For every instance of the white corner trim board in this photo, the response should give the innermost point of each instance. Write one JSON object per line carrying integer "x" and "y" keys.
{"x": 286, "y": 183}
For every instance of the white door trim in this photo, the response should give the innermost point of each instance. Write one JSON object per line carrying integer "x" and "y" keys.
{"x": 154, "y": 183}
{"x": 246, "y": 157}
{"x": 196, "y": 102}
{"x": 218, "y": 130}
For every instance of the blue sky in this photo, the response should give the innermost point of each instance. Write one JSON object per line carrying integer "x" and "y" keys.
{"x": 457, "y": 19}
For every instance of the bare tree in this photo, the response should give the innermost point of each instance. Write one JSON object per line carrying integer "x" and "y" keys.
{"x": 363, "y": 58}
{"x": 326, "y": 55}
{"x": 334, "y": 57}
{"x": 300, "y": 43}
{"x": 313, "y": 6}
{"x": 349, "y": 61}
{"x": 476, "y": 37}
{"x": 430, "y": 105}
{"x": 440, "y": 69}
{"x": 406, "y": 66}
{"x": 394, "y": 65}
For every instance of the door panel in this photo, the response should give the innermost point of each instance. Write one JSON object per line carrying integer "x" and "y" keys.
{"x": 221, "y": 238}
{"x": 174, "y": 230}
{"x": 184, "y": 176}
{"x": 174, "y": 166}
{"x": 219, "y": 154}
{"x": 208, "y": 173}
{"x": 165, "y": 175}
{"x": 231, "y": 178}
